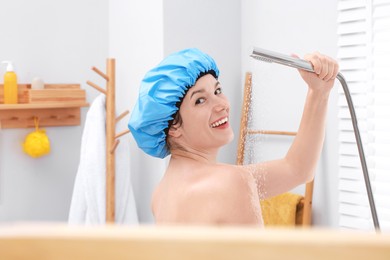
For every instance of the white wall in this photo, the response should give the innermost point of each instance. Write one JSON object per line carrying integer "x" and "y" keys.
{"x": 58, "y": 41}
{"x": 300, "y": 27}
{"x": 214, "y": 27}
{"x": 136, "y": 42}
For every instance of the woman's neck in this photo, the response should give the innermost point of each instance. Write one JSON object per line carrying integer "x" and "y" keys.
{"x": 197, "y": 156}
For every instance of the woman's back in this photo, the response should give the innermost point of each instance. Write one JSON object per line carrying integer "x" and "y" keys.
{"x": 203, "y": 194}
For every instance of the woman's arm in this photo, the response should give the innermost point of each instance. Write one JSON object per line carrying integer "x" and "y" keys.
{"x": 298, "y": 166}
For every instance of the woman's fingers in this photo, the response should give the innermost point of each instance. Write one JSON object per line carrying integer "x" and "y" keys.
{"x": 325, "y": 67}
{"x": 313, "y": 58}
{"x": 329, "y": 75}
{"x": 333, "y": 69}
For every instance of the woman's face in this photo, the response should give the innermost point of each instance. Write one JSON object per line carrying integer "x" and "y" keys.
{"x": 205, "y": 115}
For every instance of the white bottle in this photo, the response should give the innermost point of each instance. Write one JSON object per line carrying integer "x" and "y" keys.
{"x": 37, "y": 83}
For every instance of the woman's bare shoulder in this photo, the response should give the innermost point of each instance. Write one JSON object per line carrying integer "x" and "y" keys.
{"x": 222, "y": 177}
{"x": 226, "y": 195}
{"x": 233, "y": 175}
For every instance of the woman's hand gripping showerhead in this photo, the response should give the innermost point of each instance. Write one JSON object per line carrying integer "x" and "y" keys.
{"x": 325, "y": 72}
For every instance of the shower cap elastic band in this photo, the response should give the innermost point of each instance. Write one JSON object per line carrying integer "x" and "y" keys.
{"x": 161, "y": 89}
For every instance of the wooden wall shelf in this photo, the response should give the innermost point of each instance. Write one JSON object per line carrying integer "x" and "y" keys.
{"x": 42, "y": 106}
{"x": 55, "y": 105}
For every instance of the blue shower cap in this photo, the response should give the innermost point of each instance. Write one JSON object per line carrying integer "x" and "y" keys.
{"x": 161, "y": 89}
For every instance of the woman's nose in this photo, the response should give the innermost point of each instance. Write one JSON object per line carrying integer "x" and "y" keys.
{"x": 221, "y": 105}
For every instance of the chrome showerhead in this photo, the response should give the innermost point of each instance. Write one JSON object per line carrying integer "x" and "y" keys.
{"x": 261, "y": 58}
{"x": 271, "y": 56}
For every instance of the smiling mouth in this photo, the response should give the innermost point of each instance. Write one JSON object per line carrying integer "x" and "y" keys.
{"x": 220, "y": 122}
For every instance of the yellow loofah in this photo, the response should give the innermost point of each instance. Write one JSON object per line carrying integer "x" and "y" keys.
{"x": 37, "y": 143}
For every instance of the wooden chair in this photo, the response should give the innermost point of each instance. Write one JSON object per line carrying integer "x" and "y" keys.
{"x": 304, "y": 206}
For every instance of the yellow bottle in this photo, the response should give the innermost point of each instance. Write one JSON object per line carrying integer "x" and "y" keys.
{"x": 10, "y": 85}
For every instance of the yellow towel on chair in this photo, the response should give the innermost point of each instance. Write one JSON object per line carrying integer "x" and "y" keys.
{"x": 281, "y": 210}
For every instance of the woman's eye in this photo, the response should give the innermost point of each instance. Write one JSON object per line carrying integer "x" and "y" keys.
{"x": 218, "y": 91}
{"x": 200, "y": 101}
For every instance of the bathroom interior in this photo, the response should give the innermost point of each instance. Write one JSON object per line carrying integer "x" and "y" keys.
{"x": 59, "y": 42}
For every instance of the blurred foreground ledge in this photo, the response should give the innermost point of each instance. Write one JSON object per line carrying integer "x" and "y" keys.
{"x": 54, "y": 241}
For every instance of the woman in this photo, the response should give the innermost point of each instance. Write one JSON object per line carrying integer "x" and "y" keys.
{"x": 182, "y": 111}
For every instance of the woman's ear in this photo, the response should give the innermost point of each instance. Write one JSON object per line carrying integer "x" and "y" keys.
{"x": 174, "y": 131}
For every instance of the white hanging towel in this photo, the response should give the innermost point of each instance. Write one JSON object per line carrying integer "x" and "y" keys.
{"x": 125, "y": 206}
{"x": 88, "y": 206}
